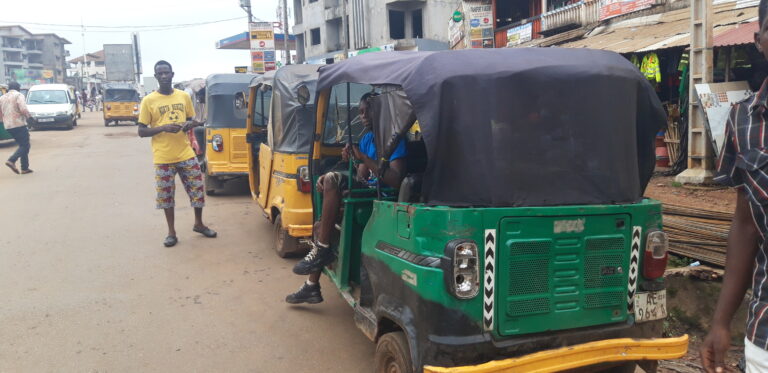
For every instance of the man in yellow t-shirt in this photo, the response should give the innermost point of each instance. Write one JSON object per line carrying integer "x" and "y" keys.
{"x": 166, "y": 116}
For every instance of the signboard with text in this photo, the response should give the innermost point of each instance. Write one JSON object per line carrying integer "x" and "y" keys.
{"x": 520, "y": 34}
{"x": 480, "y": 16}
{"x": 262, "y": 40}
{"x": 613, "y": 8}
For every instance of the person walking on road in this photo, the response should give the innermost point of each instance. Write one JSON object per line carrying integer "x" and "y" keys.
{"x": 742, "y": 164}
{"x": 165, "y": 116}
{"x": 14, "y": 114}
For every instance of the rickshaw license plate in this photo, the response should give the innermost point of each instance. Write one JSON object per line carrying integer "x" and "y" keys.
{"x": 45, "y": 120}
{"x": 650, "y": 306}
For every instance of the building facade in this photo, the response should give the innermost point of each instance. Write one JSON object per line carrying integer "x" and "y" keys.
{"x": 31, "y": 58}
{"x": 388, "y": 24}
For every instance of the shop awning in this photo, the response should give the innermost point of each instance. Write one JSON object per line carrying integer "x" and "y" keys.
{"x": 666, "y": 30}
{"x": 741, "y": 34}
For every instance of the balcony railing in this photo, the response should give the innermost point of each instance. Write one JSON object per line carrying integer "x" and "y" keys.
{"x": 575, "y": 15}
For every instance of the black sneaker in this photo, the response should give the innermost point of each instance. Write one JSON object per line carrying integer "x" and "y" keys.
{"x": 318, "y": 258}
{"x": 306, "y": 294}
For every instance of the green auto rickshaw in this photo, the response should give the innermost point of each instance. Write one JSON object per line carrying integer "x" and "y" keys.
{"x": 519, "y": 238}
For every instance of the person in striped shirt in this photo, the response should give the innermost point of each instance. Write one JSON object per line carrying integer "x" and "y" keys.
{"x": 743, "y": 164}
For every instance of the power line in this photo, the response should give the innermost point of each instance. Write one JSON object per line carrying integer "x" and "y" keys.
{"x": 141, "y": 28}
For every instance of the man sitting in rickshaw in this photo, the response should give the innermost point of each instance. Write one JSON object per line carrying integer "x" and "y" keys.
{"x": 330, "y": 185}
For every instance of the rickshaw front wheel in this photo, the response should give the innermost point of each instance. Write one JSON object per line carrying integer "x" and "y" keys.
{"x": 210, "y": 184}
{"x": 284, "y": 244}
{"x": 392, "y": 354}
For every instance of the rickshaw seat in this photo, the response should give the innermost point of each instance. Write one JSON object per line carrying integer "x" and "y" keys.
{"x": 416, "y": 164}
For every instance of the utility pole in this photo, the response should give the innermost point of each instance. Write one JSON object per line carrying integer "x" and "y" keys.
{"x": 246, "y": 5}
{"x": 286, "y": 33}
{"x": 85, "y": 57}
{"x": 700, "y": 157}
{"x": 345, "y": 27}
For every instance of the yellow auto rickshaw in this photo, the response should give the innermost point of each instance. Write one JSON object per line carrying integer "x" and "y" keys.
{"x": 278, "y": 162}
{"x": 121, "y": 103}
{"x": 226, "y": 151}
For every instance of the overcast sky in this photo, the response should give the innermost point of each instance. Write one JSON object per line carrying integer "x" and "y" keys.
{"x": 191, "y": 50}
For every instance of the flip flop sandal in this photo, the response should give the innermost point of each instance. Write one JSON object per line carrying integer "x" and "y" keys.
{"x": 207, "y": 232}
{"x": 170, "y": 241}
{"x": 12, "y": 167}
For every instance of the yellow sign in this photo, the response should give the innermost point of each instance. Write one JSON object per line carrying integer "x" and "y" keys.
{"x": 262, "y": 35}
{"x": 241, "y": 69}
{"x": 47, "y": 74}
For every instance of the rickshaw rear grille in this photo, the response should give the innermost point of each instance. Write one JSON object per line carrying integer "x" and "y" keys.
{"x": 529, "y": 277}
{"x": 600, "y": 300}
{"x": 528, "y": 307}
{"x": 548, "y": 280}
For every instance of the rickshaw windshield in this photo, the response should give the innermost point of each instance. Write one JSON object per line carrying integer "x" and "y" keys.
{"x": 121, "y": 95}
{"x": 261, "y": 106}
{"x": 340, "y": 108}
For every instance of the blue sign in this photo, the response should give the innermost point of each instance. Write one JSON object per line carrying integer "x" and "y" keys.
{"x": 474, "y": 22}
{"x": 269, "y": 55}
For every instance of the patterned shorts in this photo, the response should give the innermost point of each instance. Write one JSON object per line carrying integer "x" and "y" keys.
{"x": 191, "y": 177}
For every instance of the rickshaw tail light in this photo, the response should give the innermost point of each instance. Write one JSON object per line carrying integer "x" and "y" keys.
{"x": 109, "y": 107}
{"x": 217, "y": 143}
{"x": 303, "y": 181}
{"x": 461, "y": 270}
{"x": 656, "y": 255}
{"x": 135, "y": 107}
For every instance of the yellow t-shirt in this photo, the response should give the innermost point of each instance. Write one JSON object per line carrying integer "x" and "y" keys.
{"x": 158, "y": 110}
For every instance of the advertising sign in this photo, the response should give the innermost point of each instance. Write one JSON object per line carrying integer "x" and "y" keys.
{"x": 28, "y": 78}
{"x": 716, "y": 99}
{"x": 520, "y": 34}
{"x": 118, "y": 62}
{"x": 455, "y": 32}
{"x": 262, "y": 40}
{"x": 613, "y": 8}
{"x": 480, "y": 23}
{"x": 241, "y": 69}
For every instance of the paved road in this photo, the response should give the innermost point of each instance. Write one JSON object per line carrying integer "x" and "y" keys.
{"x": 86, "y": 285}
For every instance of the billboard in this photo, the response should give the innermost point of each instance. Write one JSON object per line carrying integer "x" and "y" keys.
{"x": 613, "y": 8}
{"x": 262, "y": 39}
{"x": 118, "y": 62}
{"x": 520, "y": 34}
{"x": 480, "y": 23}
{"x": 28, "y": 77}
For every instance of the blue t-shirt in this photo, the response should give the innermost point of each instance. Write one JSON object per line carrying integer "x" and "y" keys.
{"x": 368, "y": 147}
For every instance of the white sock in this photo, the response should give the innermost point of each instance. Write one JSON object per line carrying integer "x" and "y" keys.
{"x": 323, "y": 245}
{"x": 310, "y": 283}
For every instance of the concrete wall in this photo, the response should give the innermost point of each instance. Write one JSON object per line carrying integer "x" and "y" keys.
{"x": 369, "y": 24}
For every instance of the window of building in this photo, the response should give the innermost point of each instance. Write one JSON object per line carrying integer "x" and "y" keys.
{"x": 509, "y": 12}
{"x": 312, "y": 1}
{"x": 417, "y": 30}
{"x": 396, "y": 24}
{"x": 315, "y": 35}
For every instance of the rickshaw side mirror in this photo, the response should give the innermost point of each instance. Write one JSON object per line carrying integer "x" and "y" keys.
{"x": 302, "y": 94}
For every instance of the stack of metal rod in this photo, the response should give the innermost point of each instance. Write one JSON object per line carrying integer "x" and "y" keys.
{"x": 697, "y": 233}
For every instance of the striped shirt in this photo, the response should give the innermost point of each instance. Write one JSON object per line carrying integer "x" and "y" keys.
{"x": 743, "y": 163}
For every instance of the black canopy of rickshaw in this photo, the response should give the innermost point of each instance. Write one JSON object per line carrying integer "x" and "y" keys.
{"x": 520, "y": 127}
{"x": 220, "y": 91}
{"x": 291, "y": 123}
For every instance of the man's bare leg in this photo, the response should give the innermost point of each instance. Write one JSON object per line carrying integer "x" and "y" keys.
{"x": 331, "y": 204}
{"x": 169, "y": 218}
{"x": 199, "y": 218}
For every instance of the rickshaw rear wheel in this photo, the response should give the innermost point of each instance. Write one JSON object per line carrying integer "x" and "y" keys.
{"x": 284, "y": 244}
{"x": 106, "y": 123}
{"x": 392, "y": 354}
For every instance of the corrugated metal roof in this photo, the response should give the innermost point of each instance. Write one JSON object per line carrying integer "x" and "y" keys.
{"x": 667, "y": 30}
{"x": 741, "y": 34}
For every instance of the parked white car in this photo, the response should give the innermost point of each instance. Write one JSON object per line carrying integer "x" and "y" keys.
{"x": 52, "y": 105}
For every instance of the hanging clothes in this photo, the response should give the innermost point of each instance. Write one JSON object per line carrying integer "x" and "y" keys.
{"x": 635, "y": 60}
{"x": 683, "y": 90}
{"x": 650, "y": 67}
{"x": 683, "y": 62}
